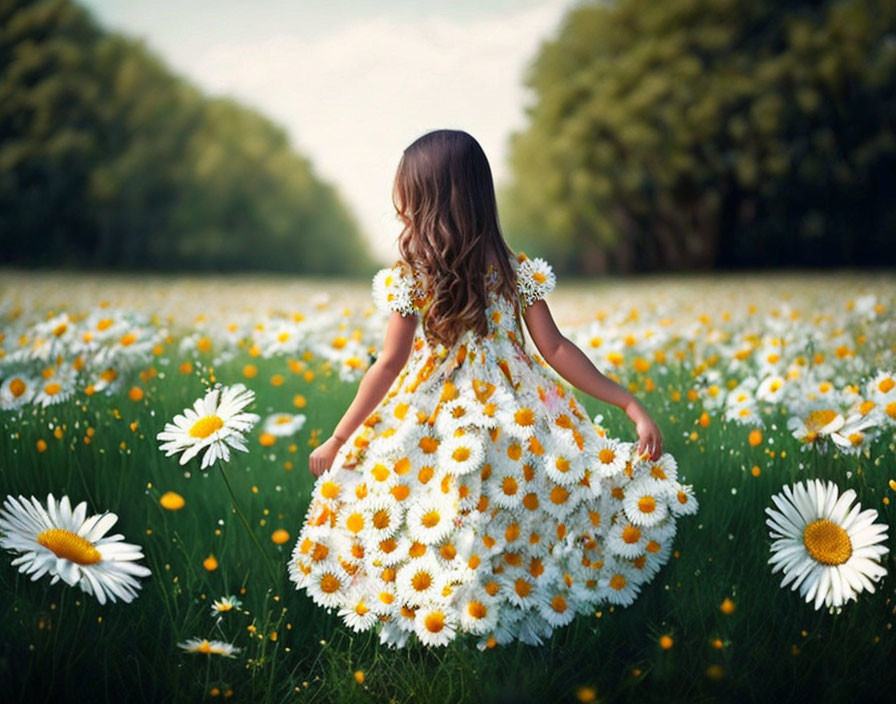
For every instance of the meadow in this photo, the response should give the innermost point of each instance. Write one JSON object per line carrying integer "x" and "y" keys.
{"x": 732, "y": 367}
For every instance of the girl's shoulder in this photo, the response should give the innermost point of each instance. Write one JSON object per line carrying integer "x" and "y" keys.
{"x": 397, "y": 288}
{"x": 535, "y": 278}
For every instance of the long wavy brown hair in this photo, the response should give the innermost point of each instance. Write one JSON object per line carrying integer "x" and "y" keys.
{"x": 445, "y": 196}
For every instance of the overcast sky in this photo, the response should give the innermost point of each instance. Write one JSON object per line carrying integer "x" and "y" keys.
{"x": 355, "y": 81}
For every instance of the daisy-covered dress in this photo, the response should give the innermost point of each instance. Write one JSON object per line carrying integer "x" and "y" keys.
{"x": 479, "y": 497}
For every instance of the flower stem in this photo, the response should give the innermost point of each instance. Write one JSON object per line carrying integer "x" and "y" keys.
{"x": 236, "y": 507}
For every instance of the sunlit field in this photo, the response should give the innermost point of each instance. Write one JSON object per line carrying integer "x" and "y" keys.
{"x": 757, "y": 382}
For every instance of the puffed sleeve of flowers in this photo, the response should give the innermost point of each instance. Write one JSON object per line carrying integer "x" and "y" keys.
{"x": 394, "y": 290}
{"x": 535, "y": 279}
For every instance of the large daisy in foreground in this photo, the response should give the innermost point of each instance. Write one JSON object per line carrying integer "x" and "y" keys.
{"x": 65, "y": 544}
{"x": 214, "y": 424}
{"x": 825, "y": 546}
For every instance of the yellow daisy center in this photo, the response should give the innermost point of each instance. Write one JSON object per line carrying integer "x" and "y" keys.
{"x": 17, "y": 387}
{"x": 421, "y": 581}
{"x": 617, "y": 582}
{"x": 630, "y": 534}
{"x": 461, "y": 454}
{"x": 204, "y": 427}
{"x": 827, "y": 542}
{"x": 558, "y": 604}
{"x": 329, "y": 583}
{"x": 430, "y": 519}
{"x": 69, "y": 546}
{"x": 434, "y": 622}
{"x": 819, "y": 419}
{"x": 646, "y": 504}
{"x": 477, "y": 609}
{"x": 509, "y": 486}
{"x": 607, "y": 455}
{"x": 524, "y": 416}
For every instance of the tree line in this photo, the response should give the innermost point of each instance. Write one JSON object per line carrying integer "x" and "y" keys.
{"x": 108, "y": 159}
{"x": 699, "y": 134}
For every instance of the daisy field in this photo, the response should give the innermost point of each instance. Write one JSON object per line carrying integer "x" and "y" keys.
{"x": 776, "y": 396}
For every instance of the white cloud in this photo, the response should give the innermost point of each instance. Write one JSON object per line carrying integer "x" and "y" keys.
{"x": 354, "y": 98}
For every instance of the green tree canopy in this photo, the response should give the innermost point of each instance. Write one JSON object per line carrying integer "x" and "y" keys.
{"x": 710, "y": 133}
{"x": 109, "y": 159}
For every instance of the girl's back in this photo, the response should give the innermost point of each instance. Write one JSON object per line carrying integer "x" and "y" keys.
{"x": 468, "y": 491}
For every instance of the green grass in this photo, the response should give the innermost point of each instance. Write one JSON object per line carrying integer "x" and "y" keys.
{"x": 59, "y": 644}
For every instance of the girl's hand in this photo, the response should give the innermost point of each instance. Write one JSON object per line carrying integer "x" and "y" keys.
{"x": 650, "y": 439}
{"x": 322, "y": 458}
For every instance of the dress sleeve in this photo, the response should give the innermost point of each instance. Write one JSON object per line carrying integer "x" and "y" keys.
{"x": 534, "y": 279}
{"x": 394, "y": 288}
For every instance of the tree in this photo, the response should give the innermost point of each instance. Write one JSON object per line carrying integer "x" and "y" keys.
{"x": 108, "y": 159}
{"x": 710, "y": 133}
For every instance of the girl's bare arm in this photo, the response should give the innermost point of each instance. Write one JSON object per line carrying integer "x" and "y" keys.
{"x": 574, "y": 366}
{"x": 374, "y": 385}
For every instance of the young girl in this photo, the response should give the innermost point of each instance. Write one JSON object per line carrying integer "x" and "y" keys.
{"x": 468, "y": 491}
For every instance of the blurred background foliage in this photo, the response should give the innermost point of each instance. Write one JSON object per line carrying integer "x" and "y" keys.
{"x": 675, "y": 135}
{"x": 710, "y": 134}
{"x": 107, "y": 159}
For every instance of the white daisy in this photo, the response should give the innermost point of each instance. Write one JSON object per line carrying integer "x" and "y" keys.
{"x": 657, "y": 551}
{"x": 357, "y": 613}
{"x": 65, "y": 544}
{"x": 663, "y": 469}
{"x": 645, "y": 501}
{"x": 378, "y": 473}
{"x": 771, "y": 389}
{"x": 225, "y": 604}
{"x": 209, "y": 647}
{"x": 461, "y": 454}
{"x": 682, "y": 500}
{"x": 557, "y": 605}
{"x": 535, "y": 279}
{"x": 469, "y": 488}
{"x": 389, "y": 551}
{"x": 394, "y": 438}
{"x": 825, "y": 546}
{"x": 815, "y": 424}
{"x": 854, "y": 435}
{"x": 492, "y": 401}
{"x": 518, "y": 587}
{"x": 382, "y": 596}
{"x": 16, "y": 391}
{"x": 608, "y": 457}
{"x": 57, "y": 388}
{"x": 882, "y": 388}
{"x": 419, "y": 581}
{"x": 478, "y": 610}
{"x": 619, "y": 583}
{"x": 393, "y": 289}
{"x": 284, "y": 424}
{"x": 431, "y": 518}
{"x": 506, "y": 486}
{"x": 563, "y": 463}
{"x": 626, "y": 539}
{"x": 559, "y": 500}
{"x": 328, "y": 583}
{"x": 211, "y": 425}
{"x": 382, "y": 515}
{"x": 435, "y": 624}
{"x": 518, "y": 422}
{"x": 460, "y": 412}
